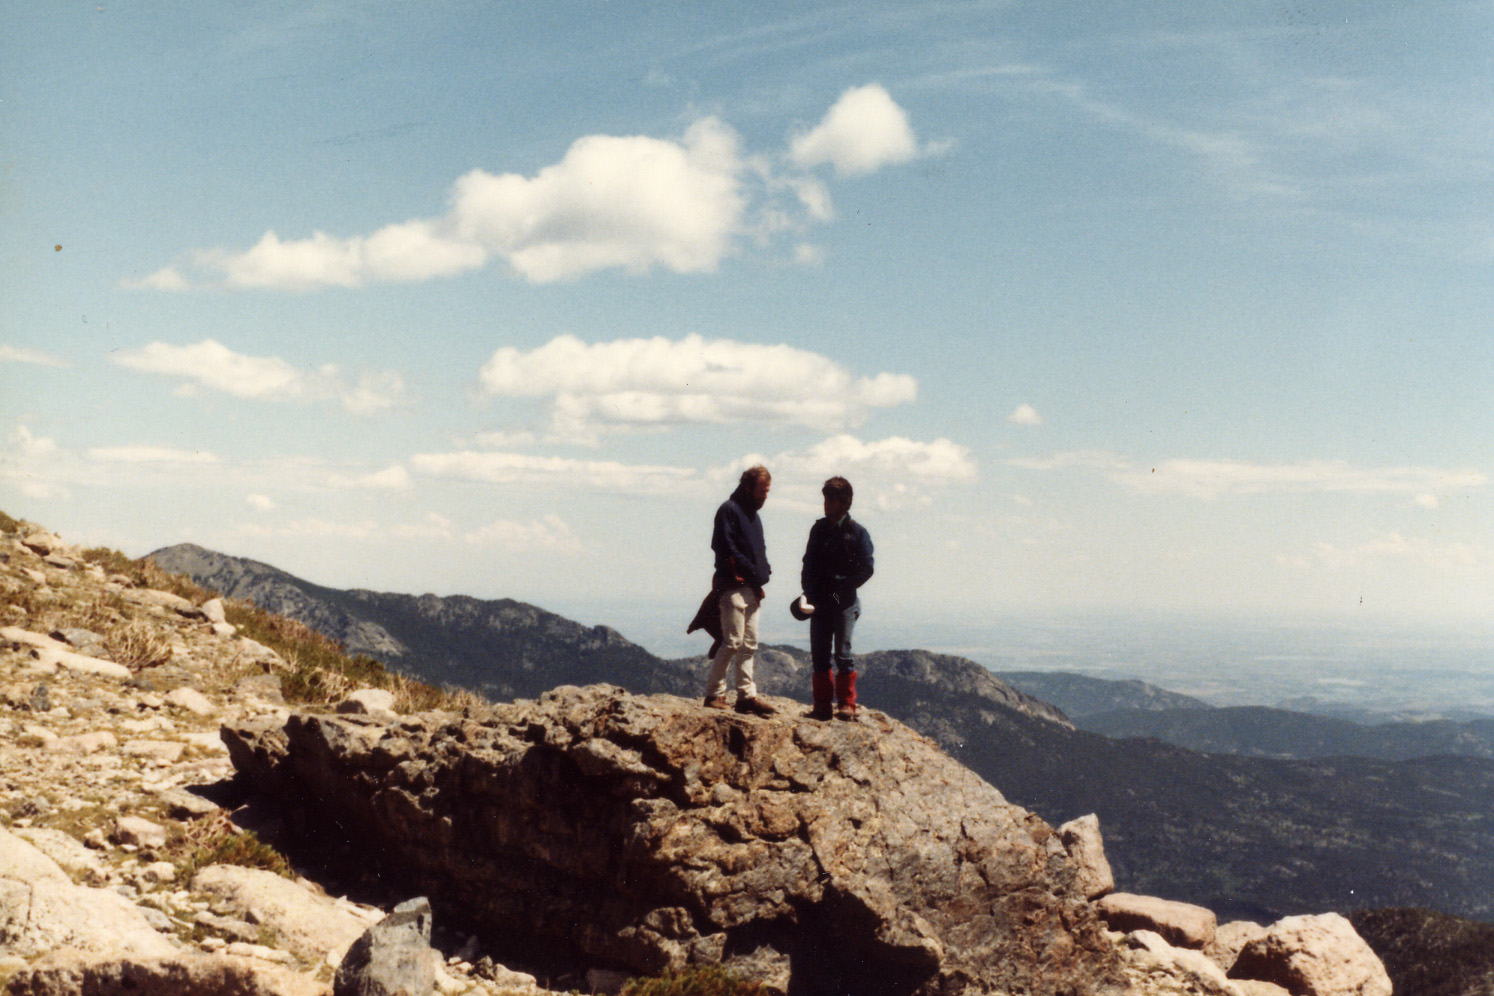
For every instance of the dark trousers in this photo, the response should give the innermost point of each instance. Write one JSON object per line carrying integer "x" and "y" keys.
{"x": 830, "y": 632}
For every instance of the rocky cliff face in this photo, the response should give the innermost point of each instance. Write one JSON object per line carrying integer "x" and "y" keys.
{"x": 651, "y": 832}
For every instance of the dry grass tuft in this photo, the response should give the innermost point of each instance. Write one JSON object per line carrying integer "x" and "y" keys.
{"x": 138, "y": 645}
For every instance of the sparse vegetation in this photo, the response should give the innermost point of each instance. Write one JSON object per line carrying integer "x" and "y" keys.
{"x": 695, "y": 980}
{"x": 216, "y": 841}
{"x": 137, "y": 645}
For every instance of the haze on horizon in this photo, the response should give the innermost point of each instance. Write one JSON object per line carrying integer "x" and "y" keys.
{"x": 1175, "y": 308}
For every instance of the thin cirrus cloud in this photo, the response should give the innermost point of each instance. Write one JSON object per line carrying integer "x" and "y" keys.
{"x": 1211, "y": 479}
{"x": 211, "y": 366}
{"x": 632, "y": 202}
{"x": 35, "y": 357}
{"x": 526, "y": 469}
{"x": 659, "y": 382}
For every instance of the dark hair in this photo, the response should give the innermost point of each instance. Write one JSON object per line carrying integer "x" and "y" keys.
{"x": 838, "y": 488}
{"x": 753, "y": 474}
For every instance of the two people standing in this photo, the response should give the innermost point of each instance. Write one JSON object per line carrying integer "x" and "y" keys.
{"x": 838, "y": 560}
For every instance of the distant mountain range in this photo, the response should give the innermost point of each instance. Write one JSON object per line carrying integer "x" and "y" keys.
{"x": 1247, "y": 836}
{"x": 1135, "y": 709}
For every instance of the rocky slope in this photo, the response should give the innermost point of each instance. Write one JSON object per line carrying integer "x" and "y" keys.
{"x": 121, "y": 873}
{"x": 1249, "y": 837}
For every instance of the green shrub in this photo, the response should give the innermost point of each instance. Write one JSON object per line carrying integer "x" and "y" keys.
{"x": 695, "y": 980}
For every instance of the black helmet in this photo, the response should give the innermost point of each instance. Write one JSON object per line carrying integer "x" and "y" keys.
{"x": 800, "y": 608}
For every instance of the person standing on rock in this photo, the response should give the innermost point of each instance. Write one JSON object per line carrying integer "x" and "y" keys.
{"x": 837, "y": 562}
{"x": 742, "y": 570}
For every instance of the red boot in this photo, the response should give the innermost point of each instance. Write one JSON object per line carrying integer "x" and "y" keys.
{"x": 823, "y": 688}
{"x": 845, "y": 692}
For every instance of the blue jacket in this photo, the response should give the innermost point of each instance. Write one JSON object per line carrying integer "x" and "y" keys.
{"x": 738, "y": 541}
{"x": 837, "y": 560}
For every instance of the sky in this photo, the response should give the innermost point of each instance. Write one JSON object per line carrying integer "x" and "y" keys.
{"x": 1125, "y": 308}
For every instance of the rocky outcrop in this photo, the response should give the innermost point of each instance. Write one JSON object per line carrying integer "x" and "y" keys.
{"x": 811, "y": 856}
{"x": 650, "y": 832}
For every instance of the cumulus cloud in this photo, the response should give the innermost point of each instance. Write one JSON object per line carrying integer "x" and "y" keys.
{"x": 864, "y": 131}
{"x": 524, "y": 469}
{"x": 209, "y": 365}
{"x": 629, "y": 202}
{"x": 35, "y": 357}
{"x": 1025, "y": 415}
{"x": 632, "y": 202}
{"x": 651, "y": 383}
{"x": 260, "y": 503}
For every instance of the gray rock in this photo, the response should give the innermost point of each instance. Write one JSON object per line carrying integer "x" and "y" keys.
{"x": 85, "y": 641}
{"x": 647, "y": 832}
{"x": 391, "y": 958}
{"x": 41, "y": 698}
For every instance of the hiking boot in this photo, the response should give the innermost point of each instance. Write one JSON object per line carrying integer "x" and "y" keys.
{"x": 715, "y": 702}
{"x": 847, "y": 713}
{"x": 755, "y": 706}
{"x": 822, "y": 712}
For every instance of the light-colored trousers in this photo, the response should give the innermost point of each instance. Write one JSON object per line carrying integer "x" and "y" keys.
{"x": 739, "y": 606}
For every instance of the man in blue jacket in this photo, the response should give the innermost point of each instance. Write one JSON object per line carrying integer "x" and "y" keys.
{"x": 837, "y": 562}
{"x": 742, "y": 570}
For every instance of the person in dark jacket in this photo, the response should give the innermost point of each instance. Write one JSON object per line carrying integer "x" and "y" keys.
{"x": 742, "y": 570}
{"x": 837, "y": 562}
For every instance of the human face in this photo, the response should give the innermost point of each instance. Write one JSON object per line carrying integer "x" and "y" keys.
{"x": 760, "y": 491}
{"x": 836, "y": 507}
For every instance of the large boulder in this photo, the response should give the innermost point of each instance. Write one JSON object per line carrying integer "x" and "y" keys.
{"x": 42, "y": 910}
{"x": 648, "y": 832}
{"x": 1314, "y": 956}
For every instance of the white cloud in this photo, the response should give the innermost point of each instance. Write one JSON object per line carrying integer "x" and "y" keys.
{"x": 887, "y": 473}
{"x": 864, "y": 131}
{"x": 35, "y": 357}
{"x": 211, "y": 365}
{"x": 391, "y": 478}
{"x": 524, "y": 469}
{"x": 1025, "y": 415}
{"x": 547, "y": 533}
{"x": 260, "y": 503}
{"x": 630, "y": 202}
{"x": 658, "y": 382}
{"x": 168, "y": 278}
{"x": 150, "y": 454}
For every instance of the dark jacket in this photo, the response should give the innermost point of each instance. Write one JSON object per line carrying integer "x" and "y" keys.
{"x": 837, "y": 561}
{"x": 738, "y": 541}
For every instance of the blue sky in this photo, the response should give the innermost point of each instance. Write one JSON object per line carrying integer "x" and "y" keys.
{"x": 1178, "y": 307}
